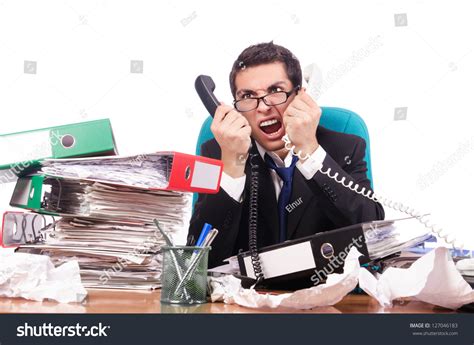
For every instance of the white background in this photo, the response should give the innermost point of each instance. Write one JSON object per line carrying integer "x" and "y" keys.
{"x": 83, "y": 52}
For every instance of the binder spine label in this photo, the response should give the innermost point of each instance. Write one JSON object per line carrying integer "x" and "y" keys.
{"x": 25, "y": 147}
{"x": 206, "y": 176}
{"x": 284, "y": 260}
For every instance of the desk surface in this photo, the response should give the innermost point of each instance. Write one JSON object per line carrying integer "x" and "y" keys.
{"x": 112, "y": 301}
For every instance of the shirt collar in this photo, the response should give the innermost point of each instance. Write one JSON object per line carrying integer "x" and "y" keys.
{"x": 278, "y": 161}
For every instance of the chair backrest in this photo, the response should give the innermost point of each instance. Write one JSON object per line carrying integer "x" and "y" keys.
{"x": 336, "y": 119}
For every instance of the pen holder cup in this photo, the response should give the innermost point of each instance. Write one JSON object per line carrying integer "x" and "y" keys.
{"x": 184, "y": 278}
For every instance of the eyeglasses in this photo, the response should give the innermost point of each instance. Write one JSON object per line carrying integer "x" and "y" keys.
{"x": 274, "y": 98}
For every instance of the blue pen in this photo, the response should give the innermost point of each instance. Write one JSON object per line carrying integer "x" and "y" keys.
{"x": 205, "y": 230}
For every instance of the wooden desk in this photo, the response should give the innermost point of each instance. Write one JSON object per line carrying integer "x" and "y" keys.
{"x": 112, "y": 301}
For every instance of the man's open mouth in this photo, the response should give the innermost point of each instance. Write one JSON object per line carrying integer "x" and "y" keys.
{"x": 271, "y": 128}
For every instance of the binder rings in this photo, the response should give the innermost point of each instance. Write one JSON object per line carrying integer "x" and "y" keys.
{"x": 22, "y": 227}
{"x": 307, "y": 261}
{"x": 66, "y": 187}
{"x": 21, "y": 152}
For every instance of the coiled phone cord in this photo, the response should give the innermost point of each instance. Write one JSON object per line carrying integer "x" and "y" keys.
{"x": 253, "y": 220}
{"x": 371, "y": 195}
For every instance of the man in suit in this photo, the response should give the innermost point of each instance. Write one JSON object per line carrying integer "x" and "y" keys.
{"x": 294, "y": 198}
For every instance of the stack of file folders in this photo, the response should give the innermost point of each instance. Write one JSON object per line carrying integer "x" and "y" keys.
{"x": 103, "y": 210}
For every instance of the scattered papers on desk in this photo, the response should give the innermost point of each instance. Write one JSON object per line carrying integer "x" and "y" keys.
{"x": 35, "y": 277}
{"x": 433, "y": 278}
{"x": 229, "y": 290}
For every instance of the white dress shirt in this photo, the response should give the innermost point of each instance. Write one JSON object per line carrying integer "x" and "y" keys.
{"x": 234, "y": 187}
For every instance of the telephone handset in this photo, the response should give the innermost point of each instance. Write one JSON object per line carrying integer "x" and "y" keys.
{"x": 205, "y": 87}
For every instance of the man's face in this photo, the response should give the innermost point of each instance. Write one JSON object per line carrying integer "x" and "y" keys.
{"x": 266, "y": 121}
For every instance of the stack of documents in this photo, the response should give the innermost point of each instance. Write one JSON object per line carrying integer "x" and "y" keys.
{"x": 151, "y": 170}
{"x": 66, "y": 197}
{"x": 386, "y": 237}
{"x": 108, "y": 205}
{"x": 111, "y": 254}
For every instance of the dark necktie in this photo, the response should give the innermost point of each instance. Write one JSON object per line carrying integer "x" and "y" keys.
{"x": 286, "y": 174}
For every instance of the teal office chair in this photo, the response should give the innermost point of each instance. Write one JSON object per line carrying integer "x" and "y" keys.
{"x": 336, "y": 119}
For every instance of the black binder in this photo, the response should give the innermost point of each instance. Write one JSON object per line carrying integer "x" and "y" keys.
{"x": 306, "y": 261}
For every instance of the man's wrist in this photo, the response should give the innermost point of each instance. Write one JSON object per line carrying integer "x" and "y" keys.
{"x": 310, "y": 166}
{"x": 234, "y": 164}
{"x": 308, "y": 150}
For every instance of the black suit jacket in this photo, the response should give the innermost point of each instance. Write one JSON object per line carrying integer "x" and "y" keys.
{"x": 324, "y": 204}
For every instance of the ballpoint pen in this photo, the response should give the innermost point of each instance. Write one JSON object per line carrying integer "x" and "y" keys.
{"x": 205, "y": 230}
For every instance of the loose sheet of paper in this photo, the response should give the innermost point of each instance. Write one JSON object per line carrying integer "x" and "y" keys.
{"x": 433, "y": 278}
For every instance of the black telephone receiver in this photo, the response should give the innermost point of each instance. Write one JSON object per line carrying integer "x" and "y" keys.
{"x": 205, "y": 87}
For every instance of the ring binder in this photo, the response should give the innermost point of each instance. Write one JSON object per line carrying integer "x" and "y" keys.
{"x": 23, "y": 151}
{"x": 307, "y": 261}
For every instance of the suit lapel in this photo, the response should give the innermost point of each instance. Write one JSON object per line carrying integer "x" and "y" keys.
{"x": 301, "y": 196}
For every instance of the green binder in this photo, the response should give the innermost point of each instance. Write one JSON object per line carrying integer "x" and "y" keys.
{"x": 32, "y": 192}
{"x": 21, "y": 152}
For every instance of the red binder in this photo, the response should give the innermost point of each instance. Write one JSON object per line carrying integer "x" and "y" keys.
{"x": 195, "y": 174}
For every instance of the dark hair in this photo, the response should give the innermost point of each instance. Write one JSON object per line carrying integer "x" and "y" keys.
{"x": 264, "y": 53}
